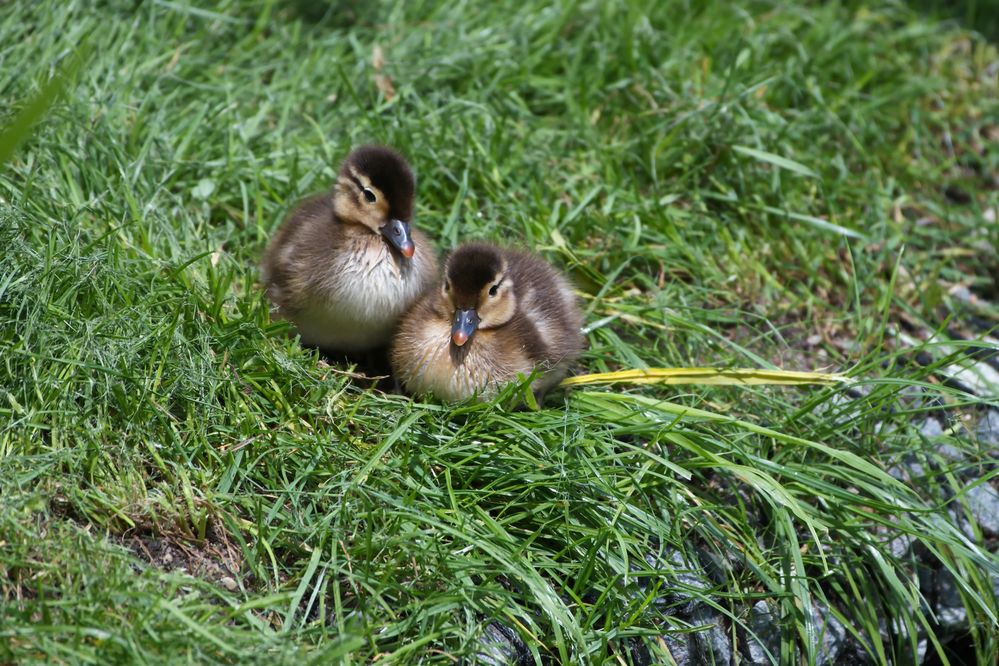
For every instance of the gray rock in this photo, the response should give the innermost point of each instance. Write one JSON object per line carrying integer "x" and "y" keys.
{"x": 956, "y": 513}
{"x": 854, "y": 654}
{"x": 680, "y": 648}
{"x": 947, "y": 605}
{"x": 921, "y": 649}
{"x": 901, "y": 545}
{"x": 952, "y": 453}
{"x": 907, "y": 469}
{"x": 898, "y": 543}
{"x": 927, "y": 586}
{"x": 761, "y": 639}
{"x": 639, "y": 653}
{"x": 933, "y": 429}
{"x": 987, "y": 430}
{"x": 680, "y": 577}
{"x": 831, "y": 635}
{"x": 688, "y": 572}
{"x": 952, "y": 618}
{"x": 717, "y": 568}
{"x": 983, "y": 501}
{"x": 712, "y": 645}
{"x": 899, "y": 631}
{"x": 501, "y": 646}
{"x": 930, "y": 428}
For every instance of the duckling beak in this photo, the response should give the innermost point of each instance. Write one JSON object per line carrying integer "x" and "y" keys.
{"x": 465, "y": 323}
{"x": 397, "y": 233}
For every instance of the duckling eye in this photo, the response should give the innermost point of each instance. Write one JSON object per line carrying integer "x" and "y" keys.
{"x": 369, "y": 196}
{"x": 493, "y": 290}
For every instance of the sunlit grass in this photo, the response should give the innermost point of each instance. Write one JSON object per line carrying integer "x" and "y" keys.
{"x": 730, "y": 185}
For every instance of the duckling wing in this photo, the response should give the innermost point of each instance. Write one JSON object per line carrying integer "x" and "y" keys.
{"x": 549, "y": 305}
{"x": 297, "y": 247}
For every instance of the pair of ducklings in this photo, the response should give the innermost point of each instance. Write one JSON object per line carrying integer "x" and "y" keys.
{"x": 348, "y": 270}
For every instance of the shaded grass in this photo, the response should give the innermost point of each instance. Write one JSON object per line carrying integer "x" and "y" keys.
{"x": 720, "y": 180}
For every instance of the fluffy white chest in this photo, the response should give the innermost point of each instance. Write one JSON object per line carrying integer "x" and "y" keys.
{"x": 426, "y": 365}
{"x": 362, "y": 300}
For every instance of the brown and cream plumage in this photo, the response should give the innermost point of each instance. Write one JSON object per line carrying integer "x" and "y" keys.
{"x": 346, "y": 264}
{"x": 499, "y": 313}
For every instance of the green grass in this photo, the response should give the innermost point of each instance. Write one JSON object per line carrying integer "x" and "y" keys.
{"x": 729, "y": 184}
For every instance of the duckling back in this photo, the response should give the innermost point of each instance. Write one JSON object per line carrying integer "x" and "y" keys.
{"x": 551, "y": 307}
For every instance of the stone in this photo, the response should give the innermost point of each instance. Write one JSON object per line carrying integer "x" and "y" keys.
{"x": 907, "y": 470}
{"x": 760, "y": 641}
{"x": 957, "y": 517}
{"x": 674, "y": 569}
{"x": 688, "y": 572}
{"x": 947, "y": 605}
{"x": 831, "y": 635}
{"x": 951, "y": 453}
{"x": 983, "y": 502}
{"x": 229, "y": 583}
{"x": 501, "y": 646}
{"x": 894, "y": 630}
{"x": 712, "y": 645}
{"x": 717, "y": 568}
{"x": 639, "y": 653}
{"x": 901, "y": 545}
{"x": 922, "y": 647}
{"x": 987, "y": 429}
{"x": 854, "y": 654}
{"x": 931, "y": 428}
{"x": 681, "y": 649}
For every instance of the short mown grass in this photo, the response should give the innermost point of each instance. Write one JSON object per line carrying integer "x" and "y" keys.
{"x": 749, "y": 184}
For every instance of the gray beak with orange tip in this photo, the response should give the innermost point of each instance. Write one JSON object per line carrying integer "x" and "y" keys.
{"x": 397, "y": 233}
{"x": 465, "y": 323}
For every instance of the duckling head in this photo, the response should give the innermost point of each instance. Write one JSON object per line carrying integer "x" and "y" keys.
{"x": 478, "y": 291}
{"x": 375, "y": 190}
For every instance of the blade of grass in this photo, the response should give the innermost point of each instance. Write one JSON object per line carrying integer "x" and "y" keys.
{"x": 706, "y": 377}
{"x": 31, "y": 113}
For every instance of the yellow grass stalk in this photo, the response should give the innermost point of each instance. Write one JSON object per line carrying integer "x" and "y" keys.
{"x": 706, "y": 377}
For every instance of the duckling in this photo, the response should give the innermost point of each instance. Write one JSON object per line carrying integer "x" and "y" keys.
{"x": 499, "y": 312}
{"x": 345, "y": 265}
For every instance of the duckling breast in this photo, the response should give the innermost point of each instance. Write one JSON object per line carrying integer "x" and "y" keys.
{"x": 363, "y": 295}
{"x": 425, "y": 361}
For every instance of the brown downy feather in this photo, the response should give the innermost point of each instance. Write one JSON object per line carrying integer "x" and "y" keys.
{"x": 331, "y": 271}
{"x": 529, "y": 318}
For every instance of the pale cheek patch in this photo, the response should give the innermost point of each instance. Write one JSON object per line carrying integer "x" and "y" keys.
{"x": 498, "y": 310}
{"x": 344, "y": 202}
{"x": 349, "y": 204}
{"x": 380, "y": 204}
